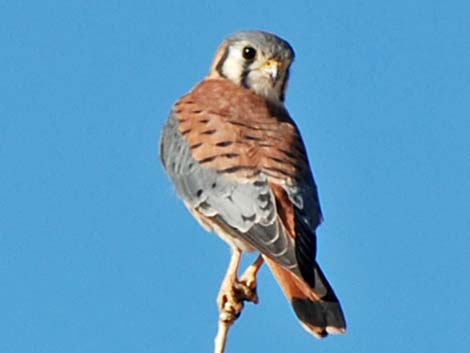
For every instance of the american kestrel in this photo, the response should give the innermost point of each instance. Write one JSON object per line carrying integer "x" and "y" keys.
{"x": 238, "y": 161}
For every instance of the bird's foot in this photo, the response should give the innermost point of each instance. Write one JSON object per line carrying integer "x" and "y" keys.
{"x": 232, "y": 296}
{"x": 248, "y": 284}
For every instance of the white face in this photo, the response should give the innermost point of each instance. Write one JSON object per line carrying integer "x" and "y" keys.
{"x": 263, "y": 69}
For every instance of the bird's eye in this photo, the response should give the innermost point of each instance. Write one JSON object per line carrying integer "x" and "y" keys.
{"x": 249, "y": 53}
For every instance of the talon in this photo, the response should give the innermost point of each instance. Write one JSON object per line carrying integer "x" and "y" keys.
{"x": 230, "y": 312}
{"x": 228, "y": 300}
{"x": 230, "y": 304}
{"x": 246, "y": 292}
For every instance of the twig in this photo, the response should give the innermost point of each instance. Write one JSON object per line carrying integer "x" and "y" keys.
{"x": 226, "y": 320}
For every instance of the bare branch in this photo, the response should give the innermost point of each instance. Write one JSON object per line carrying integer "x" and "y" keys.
{"x": 226, "y": 320}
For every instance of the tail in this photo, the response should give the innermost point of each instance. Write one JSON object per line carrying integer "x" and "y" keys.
{"x": 318, "y": 309}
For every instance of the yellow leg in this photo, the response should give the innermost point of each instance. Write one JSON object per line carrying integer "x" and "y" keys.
{"x": 248, "y": 279}
{"x": 227, "y": 300}
{"x": 249, "y": 276}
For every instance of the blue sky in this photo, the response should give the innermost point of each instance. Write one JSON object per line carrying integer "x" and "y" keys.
{"x": 97, "y": 254}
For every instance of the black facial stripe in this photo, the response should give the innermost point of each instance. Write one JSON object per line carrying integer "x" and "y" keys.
{"x": 220, "y": 64}
{"x": 283, "y": 86}
{"x": 244, "y": 75}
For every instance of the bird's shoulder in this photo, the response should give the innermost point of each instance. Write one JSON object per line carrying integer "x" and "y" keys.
{"x": 238, "y": 133}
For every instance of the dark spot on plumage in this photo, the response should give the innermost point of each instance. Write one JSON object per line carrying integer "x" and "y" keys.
{"x": 252, "y": 138}
{"x": 185, "y": 132}
{"x": 287, "y": 153}
{"x": 199, "y": 193}
{"x": 235, "y": 169}
{"x": 196, "y": 111}
{"x": 204, "y": 205}
{"x": 224, "y": 143}
{"x": 230, "y": 155}
{"x": 208, "y": 132}
{"x": 249, "y": 218}
{"x": 298, "y": 150}
{"x": 195, "y": 146}
{"x": 264, "y": 197}
{"x": 203, "y": 121}
{"x": 273, "y": 171}
{"x": 207, "y": 159}
{"x": 275, "y": 159}
{"x": 259, "y": 183}
{"x": 213, "y": 186}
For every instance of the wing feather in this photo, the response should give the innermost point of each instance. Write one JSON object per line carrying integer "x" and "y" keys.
{"x": 244, "y": 211}
{"x": 240, "y": 162}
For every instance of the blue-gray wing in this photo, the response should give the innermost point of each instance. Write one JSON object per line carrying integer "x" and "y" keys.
{"x": 247, "y": 208}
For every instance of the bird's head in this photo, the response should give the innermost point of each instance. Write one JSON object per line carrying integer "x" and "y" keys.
{"x": 256, "y": 60}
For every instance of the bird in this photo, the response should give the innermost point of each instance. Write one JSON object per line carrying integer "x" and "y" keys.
{"x": 238, "y": 162}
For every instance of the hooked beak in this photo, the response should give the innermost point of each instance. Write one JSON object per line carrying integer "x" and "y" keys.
{"x": 272, "y": 69}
